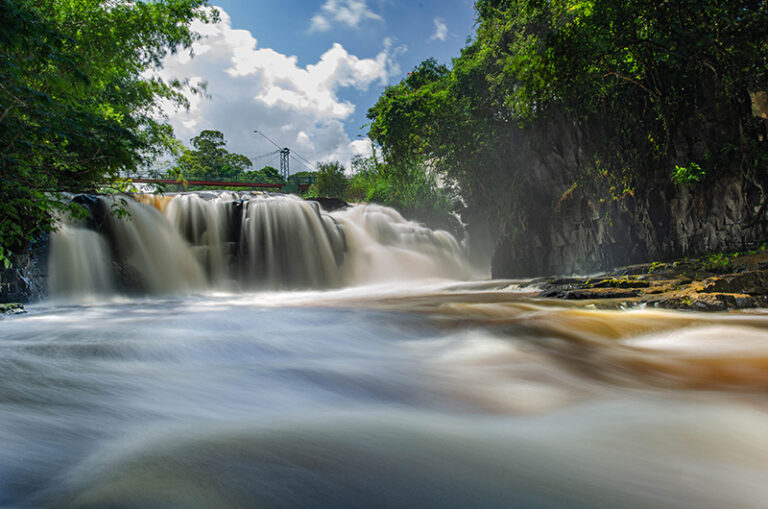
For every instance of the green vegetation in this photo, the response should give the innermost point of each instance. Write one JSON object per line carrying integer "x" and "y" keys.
{"x": 77, "y": 102}
{"x": 13, "y": 307}
{"x": 210, "y": 160}
{"x": 687, "y": 175}
{"x": 653, "y": 83}
{"x": 268, "y": 174}
{"x": 717, "y": 262}
{"x": 648, "y": 81}
{"x": 330, "y": 180}
{"x": 411, "y": 188}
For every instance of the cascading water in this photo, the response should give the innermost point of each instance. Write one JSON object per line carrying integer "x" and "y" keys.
{"x": 233, "y": 241}
{"x": 387, "y": 247}
{"x": 79, "y": 261}
{"x": 423, "y": 393}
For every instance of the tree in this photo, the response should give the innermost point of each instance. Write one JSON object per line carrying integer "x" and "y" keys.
{"x": 635, "y": 74}
{"x": 437, "y": 121}
{"x": 268, "y": 174}
{"x": 210, "y": 160}
{"x": 305, "y": 177}
{"x": 78, "y": 103}
{"x": 413, "y": 191}
{"x": 330, "y": 180}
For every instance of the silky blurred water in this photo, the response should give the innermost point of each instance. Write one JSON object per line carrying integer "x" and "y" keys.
{"x": 448, "y": 396}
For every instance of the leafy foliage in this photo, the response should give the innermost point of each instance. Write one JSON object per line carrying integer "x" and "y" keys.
{"x": 641, "y": 74}
{"x": 687, "y": 175}
{"x": 209, "y": 160}
{"x": 412, "y": 190}
{"x": 77, "y": 102}
{"x": 267, "y": 174}
{"x": 330, "y": 180}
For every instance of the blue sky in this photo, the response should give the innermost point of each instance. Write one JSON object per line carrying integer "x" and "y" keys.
{"x": 305, "y": 72}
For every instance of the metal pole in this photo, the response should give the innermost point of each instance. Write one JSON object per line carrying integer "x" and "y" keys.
{"x": 285, "y": 156}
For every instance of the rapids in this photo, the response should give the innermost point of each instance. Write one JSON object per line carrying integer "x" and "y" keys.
{"x": 172, "y": 371}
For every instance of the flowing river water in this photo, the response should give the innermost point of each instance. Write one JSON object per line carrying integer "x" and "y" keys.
{"x": 223, "y": 351}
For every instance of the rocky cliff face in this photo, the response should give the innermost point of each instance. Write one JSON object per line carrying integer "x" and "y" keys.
{"x": 27, "y": 279}
{"x": 571, "y": 218}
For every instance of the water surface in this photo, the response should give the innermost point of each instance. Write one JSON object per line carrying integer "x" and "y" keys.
{"x": 450, "y": 395}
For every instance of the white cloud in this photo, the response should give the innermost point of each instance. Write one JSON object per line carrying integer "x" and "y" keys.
{"x": 259, "y": 88}
{"x": 441, "y": 31}
{"x": 346, "y": 12}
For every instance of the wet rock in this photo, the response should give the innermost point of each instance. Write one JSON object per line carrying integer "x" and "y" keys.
{"x": 636, "y": 270}
{"x": 12, "y": 308}
{"x": 682, "y": 284}
{"x": 330, "y": 204}
{"x": 565, "y": 281}
{"x": 707, "y": 302}
{"x": 14, "y": 286}
{"x": 127, "y": 278}
{"x": 27, "y": 278}
{"x": 755, "y": 282}
{"x": 556, "y": 287}
{"x": 621, "y": 283}
{"x": 590, "y": 293}
{"x": 566, "y": 223}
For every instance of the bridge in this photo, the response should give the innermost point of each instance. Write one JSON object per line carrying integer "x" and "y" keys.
{"x": 290, "y": 184}
{"x": 173, "y": 179}
{"x": 216, "y": 183}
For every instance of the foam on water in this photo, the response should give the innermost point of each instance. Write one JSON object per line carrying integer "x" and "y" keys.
{"x": 226, "y": 241}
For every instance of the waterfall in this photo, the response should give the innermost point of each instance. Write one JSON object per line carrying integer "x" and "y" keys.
{"x": 386, "y": 247}
{"x": 79, "y": 262}
{"x": 234, "y": 241}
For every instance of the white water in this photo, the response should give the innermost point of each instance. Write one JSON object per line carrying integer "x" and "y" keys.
{"x": 380, "y": 397}
{"x": 84, "y": 257}
{"x": 190, "y": 243}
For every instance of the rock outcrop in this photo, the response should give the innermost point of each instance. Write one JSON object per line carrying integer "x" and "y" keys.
{"x": 570, "y": 216}
{"x": 738, "y": 281}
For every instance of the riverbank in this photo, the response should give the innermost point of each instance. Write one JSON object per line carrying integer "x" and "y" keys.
{"x": 718, "y": 282}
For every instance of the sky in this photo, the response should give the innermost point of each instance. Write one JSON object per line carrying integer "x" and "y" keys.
{"x": 304, "y": 73}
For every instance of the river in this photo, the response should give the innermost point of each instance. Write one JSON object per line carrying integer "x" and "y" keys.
{"x": 389, "y": 391}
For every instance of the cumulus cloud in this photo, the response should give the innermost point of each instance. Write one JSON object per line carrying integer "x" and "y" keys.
{"x": 350, "y": 13}
{"x": 441, "y": 31}
{"x": 259, "y": 88}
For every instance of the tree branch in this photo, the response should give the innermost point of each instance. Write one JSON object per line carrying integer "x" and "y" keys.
{"x": 655, "y": 94}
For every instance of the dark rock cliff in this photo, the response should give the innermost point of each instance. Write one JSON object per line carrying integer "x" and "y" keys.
{"x": 569, "y": 217}
{"x": 27, "y": 279}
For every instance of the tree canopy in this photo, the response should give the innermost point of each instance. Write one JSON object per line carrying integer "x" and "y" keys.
{"x": 209, "y": 160}
{"x": 641, "y": 73}
{"x": 78, "y": 101}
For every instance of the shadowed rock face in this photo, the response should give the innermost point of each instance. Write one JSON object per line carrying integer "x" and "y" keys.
{"x": 27, "y": 279}
{"x": 554, "y": 226}
{"x": 330, "y": 204}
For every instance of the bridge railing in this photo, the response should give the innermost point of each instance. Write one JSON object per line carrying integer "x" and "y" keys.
{"x": 173, "y": 178}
